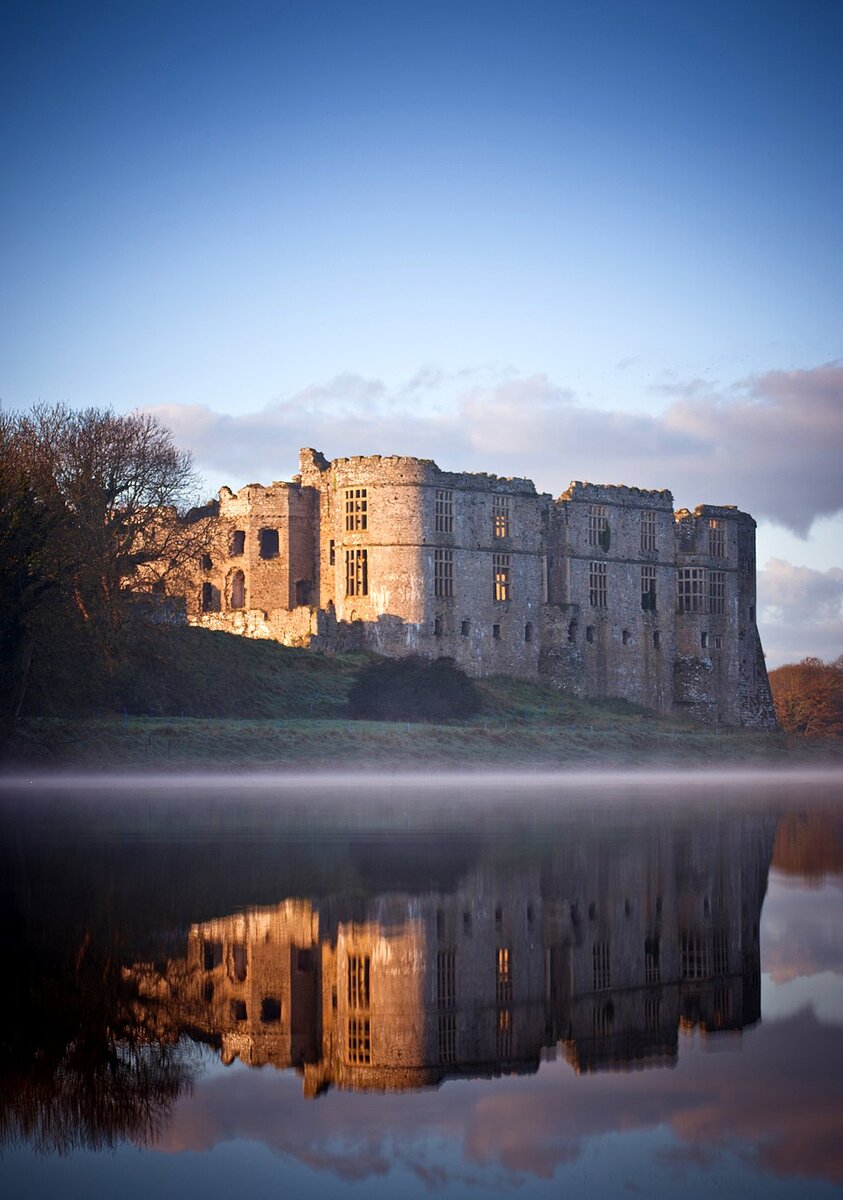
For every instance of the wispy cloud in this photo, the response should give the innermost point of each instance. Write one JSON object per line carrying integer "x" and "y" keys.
{"x": 772, "y": 444}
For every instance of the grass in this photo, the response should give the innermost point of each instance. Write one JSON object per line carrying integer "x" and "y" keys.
{"x": 191, "y": 698}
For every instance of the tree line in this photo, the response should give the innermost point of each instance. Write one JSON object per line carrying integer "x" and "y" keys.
{"x": 98, "y": 523}
{"x": 808, "y": 696}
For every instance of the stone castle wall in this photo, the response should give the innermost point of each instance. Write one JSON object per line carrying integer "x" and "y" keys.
{"x": 603, "y": 592}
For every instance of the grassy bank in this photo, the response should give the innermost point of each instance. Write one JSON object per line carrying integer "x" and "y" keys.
{"x": 188, "y": 698}
{"x": 581, "y": 735}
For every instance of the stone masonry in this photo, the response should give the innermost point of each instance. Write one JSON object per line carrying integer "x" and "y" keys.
{"x": 603, "y": 592}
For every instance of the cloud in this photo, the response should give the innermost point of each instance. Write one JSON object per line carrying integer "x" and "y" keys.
{"x": 800, "y": 612}
{"x": 771, "y": 444}
{"x": 777, "y": 1100}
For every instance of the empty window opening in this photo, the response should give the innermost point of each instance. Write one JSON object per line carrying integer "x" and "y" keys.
{"x": 302, "y": 591}
{"x": 356, "y": 572}
{"x": 437, "y": 626}
{"x": 446, "y": 978}
{"x": 589, "y": 633}
{"x": 496, "y": 632}
{"x": 359, "y": 1041}
{"x": 465, "y": 626}
{"x": 304, "y": 959}
{"x": 443, "y": 574}
{"x": 648, "y": 589}
{"x": 504, "y": 1035}
{"x": 211, "y": 955}
{"x": 704, "y": 641}
{"x": 356, "y": 509}
{"x": 238, "y": 590}
{"x": 270, "y": 1010}
{"x": 625, "y": 637}
{"x": 206, "y": 562}
{"x": 443, "y": 520}
{"x": 498, "y": 917}
{"x": 657, "y": 640}
{"x": 652, "y": 1013}
{"x": 603, "y": 1019}
{"x": 716, "y": 539}
{"x": 717, "y": 641}
{"x": 504, "y": 975}
{"x": 501, "y": 573}
{"x": 500, "y": 516}
{"x": 447, "y": 1037}
{"x": 332, "y": 553}
{"x": 598, "y": 526}
{"x": 208, "y": 991}
{"x": 652, "y": 965}
{"x": 601, "y": 971}
{"x": 528, "y": 632}
{"x": 572, "y": 631}
{"x": 268, "y": 542}
{"x": 466, "y": 923}
{"x": 238, "y": 1010}
{"x": 717, "y": 591}
{"x": 210, "y": 598}
{"x": 358, "y": 980}
{"x": 238, "y": 962}
{"x": 648, "y": 530}
{"x": 597, "y": 585}
{"x": 690, "y": 595}
{"x": 592, "y": 911}
{"x": 531, "y": 915}
{"x": 238, "y": 543}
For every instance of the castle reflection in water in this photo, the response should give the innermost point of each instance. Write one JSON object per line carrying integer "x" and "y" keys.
{"x": 604, "y": 952}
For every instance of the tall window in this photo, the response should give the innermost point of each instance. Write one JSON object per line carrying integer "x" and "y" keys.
{"x": 598, "y": 526}
{"x": 504, "y": 975}
{"x": 717, "y": 591}
{"x": 648, "y": 529}
{"x": 601, "y": 971}
{"x": 358, "y": 980}
{"x": 446, "y": 978}
{"x": 356, "y": 572}
{"x": 443, "y": 573}
{"x": 238, "y": 590}
{"x": 691, "y": 590}
{"x": 648, "y": 589}
{"x": 694, "y": 956}
{"x": 238, "y": 542}
{"x": 716, "y": 539}
{"x": 597, "y": 585}
{"x": 268, "y": 543}
{"x": 500, "y": 516}
{"x": 356, "y": 509}
{"x": 359, "y": 1041}
{"x": 502, "y": 576}
{"x": 504, "y": 1033}
{"x": 447, "y": 1037}
{"x": 443, "y": 521}
{"x": 652, "y": 966}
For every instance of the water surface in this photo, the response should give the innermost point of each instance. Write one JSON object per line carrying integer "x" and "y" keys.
{"x": 455, "y": 986}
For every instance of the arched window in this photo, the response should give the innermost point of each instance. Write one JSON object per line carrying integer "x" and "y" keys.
{"x": 238, "y": 590}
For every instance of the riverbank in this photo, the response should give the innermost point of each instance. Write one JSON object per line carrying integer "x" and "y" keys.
{"x": 579, "y": 736}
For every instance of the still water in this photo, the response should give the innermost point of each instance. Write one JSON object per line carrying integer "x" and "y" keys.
{"x": 451, "y": 987}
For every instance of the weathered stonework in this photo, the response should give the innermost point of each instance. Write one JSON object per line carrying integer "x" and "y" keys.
{"x": 603, "y": 592}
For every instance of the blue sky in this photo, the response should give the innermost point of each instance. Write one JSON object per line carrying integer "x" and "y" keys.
{"x": 565, "y": 240}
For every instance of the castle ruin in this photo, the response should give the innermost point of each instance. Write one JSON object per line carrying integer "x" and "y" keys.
{"x": 603, "y": 592}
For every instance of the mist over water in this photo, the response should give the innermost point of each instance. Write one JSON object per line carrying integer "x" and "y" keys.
{"x": 441, "y": 983}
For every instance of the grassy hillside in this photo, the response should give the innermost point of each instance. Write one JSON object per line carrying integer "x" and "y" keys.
{"x": 190, "y": 698}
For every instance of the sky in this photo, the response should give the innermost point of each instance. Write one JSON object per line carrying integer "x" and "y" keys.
{"x": 579, "y": 239}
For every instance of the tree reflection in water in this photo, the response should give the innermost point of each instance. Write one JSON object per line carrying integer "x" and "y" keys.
{"x": 82, "y": 1064}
